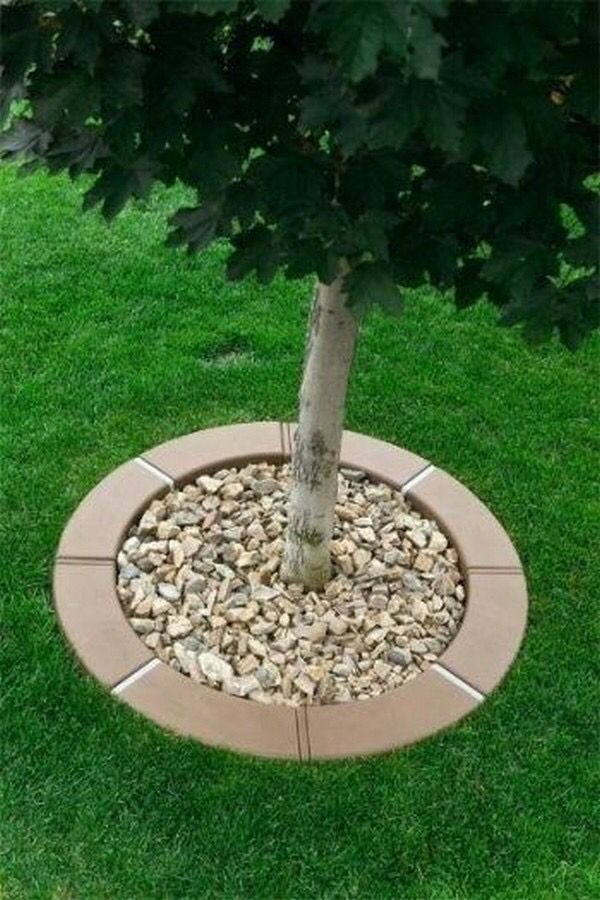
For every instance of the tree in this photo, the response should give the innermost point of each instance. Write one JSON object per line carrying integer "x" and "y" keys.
{"x": 377, "y": 144}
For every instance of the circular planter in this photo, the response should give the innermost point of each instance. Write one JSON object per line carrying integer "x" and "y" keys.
{"x": 470, "y": 668}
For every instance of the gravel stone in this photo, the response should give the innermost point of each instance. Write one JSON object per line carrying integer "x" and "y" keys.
{"x": 198, "y": 579}
{"x": 232, "y": 491}
{"x": 152, "y": 640}
{"x": 242, "y": 686}
{"x": 266, "y": 486}
{"x": 268, "y": 675}
{"x": 169, "y": 591}
{"x": 263, "y": 593}
{"x": 247, "y": 664}
{"x": 361, "y": 558}
{"x": 419, "y": 611}
{"x": 210, "y": 485}
{"x": 337, "y": 626}
{"x": 179, "y": 626}
{"x": 438, "y": 542}
{"x": 215, "y": 668}
{"x": 141, "y": 626}
{"x": 399, "y": 656}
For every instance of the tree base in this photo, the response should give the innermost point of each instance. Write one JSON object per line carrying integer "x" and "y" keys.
{"x": 313, "y": 575}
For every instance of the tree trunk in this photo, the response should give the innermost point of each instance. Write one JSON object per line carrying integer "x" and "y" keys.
{"x": 316, "y": 452}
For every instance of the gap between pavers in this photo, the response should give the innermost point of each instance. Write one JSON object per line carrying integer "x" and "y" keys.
{"x": 459, "y": 682}
{"x": 154, "y": 470}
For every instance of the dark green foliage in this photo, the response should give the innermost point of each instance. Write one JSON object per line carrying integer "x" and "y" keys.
{"x": 422, "y": 140}
{"x": 371, "y": 282}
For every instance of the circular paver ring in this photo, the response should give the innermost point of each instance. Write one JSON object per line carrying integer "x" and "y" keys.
{"x": 469, "y": 669}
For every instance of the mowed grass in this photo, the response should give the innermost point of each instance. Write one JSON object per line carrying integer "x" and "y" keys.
{"x": 112, "y": 343}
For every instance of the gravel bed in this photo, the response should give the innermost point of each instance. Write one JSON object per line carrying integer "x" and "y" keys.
{"x": 198, "y": 579}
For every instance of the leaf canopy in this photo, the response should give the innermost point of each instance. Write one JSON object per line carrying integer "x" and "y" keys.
{"x": 419, "y": 140}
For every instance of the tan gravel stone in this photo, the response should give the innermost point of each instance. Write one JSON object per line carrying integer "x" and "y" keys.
{"x": 179, "y": 626}
{"x": 210, "y": 485}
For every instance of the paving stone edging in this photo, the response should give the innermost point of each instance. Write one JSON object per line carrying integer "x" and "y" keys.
{"x": 470, "y": 668}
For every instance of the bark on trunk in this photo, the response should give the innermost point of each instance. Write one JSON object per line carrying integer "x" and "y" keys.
{"x": 316, "y": 451}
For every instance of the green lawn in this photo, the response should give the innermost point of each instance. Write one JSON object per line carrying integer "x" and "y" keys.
{"x": 111, "y": 344}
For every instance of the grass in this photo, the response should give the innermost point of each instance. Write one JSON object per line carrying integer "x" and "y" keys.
{"x": 112, "y": 343}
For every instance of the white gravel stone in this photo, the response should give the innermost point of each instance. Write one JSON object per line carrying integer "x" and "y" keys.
{"x": 418, "y": 538}
{"x": 419, "y": 610}
{"x": 160, "y": 607}
{"x": 262, "y": 593}
{"x": 268, "y": 675}
{"x": 247, "y": 664}
{"x": 305, "y": 684}
{"x": 152, "y": 640}
{"x": 142, "y": 626}
{"x": 179, "y": 626}
{"x": 247, "y": 559}
{"x": 232, "y": 491}
{"x": 336, "y": 625}
{"x": 167, "y": 530}
{"x": 210, "y": 485}
{"x": 266, "y": 486}
{"x": 214, "y": 667}
{"x": 399, "y": 656}
{"x": 169, "y": 591}
{"x": 361, "y": 558}
{"x": 438, "y": 542}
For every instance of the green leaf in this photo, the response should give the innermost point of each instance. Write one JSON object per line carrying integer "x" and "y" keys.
{"x": 78, "y": 37}
{"x": 116, "y": 185}
{"x": 359, "y": 30}
{"x": 355, "y": 33}
{"x": 402, "y": 107}
{"x": 288, "y": 185}
{"x": 442, "y": 258}
{"x": 240, "y": 204}
{"x": 273, "y": 10}
{"x": 255, "y": 250}
{"x": 516, "y": 263}
{"x": 143, "y": 12}
{"x": 195, "y": 226}
{"x": 359, "y": 41}
{"x": 309, "y": 257}
{"x": 78, "y": 150}
{"x": 329, "y": 106}
{"x": 121, "y": 75}
{"x": 24, "y": 138}
{"x": 455, "y": 201}
{"x": 469, "y": 287}
{"x": 426, "y": 45}
{"x": 9, "y": 102}
{"x": 437, "y": 9}
{"x": 206, "y": 7}
{"x": 395, "y": 27}
{"x": 443, "y": 114}
{"x": 19, "y": 42}
{"x": 373, "y": 180}
{"x": 212, "y": 165}
{"x": 583, "y": 251}
{"x": 74, "y": 95}
{"x": 372, "y": 229}
{"x": 372, "y": 283}
{"x": 504, "y": 140}
{"x": 394, "y": 115}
